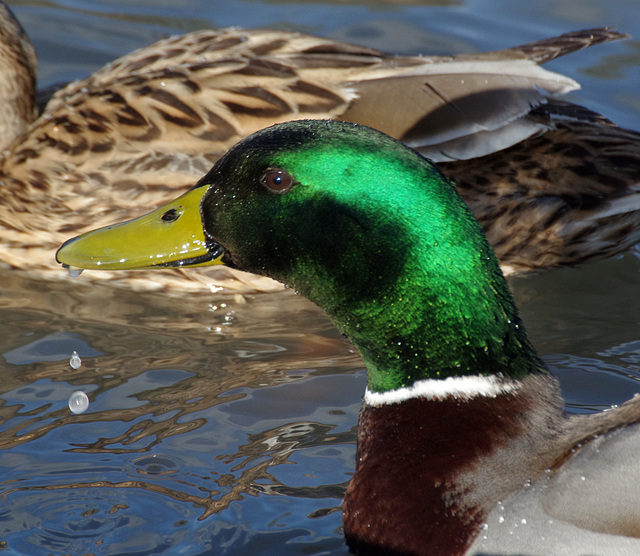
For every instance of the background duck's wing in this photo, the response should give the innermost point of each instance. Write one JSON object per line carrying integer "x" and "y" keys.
{"x": 163, "y": 114}
{"x": 470, "y": 105}
{"x": 568, "y": 196}
{"x": 147, "y": 126}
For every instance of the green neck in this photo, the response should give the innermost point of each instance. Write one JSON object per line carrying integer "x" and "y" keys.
{"x": 420, "y": 297}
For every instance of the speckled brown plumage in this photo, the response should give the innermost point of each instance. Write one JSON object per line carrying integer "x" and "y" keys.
{"x": 129, "y": 137}
{"x": 560, "y": 198}
{"x": 18, "y": 66}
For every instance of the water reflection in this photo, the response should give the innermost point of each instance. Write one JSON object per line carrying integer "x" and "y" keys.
{"x": 248, "y": 472}
{"x": 222, "y": 421}
{"x": 192, "y": 407}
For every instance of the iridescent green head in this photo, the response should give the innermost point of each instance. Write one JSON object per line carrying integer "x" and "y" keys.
{"x": 360, "y": 224}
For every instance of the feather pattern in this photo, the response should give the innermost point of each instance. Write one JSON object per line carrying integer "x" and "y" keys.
{"x": 139, "y": 130}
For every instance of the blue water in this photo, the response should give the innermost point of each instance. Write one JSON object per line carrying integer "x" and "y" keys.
{"x": 227, "y": 426}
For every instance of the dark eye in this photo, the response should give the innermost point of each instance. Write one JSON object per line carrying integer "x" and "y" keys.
{"x": 277, "y": 181}
{"x": 170, "y": 216}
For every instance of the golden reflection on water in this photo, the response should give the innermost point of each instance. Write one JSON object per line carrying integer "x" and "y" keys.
{"x": 161, "y": 369}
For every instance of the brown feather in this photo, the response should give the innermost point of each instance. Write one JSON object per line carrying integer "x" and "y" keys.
{"x": 147, "y": 126}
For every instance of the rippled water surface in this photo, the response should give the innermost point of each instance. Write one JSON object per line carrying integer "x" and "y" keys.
{"x": 224, "y": 424}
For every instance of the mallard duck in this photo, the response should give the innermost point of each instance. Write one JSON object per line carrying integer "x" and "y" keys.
{"x": 463, "y": 445}
{"x": 149, "y": 124}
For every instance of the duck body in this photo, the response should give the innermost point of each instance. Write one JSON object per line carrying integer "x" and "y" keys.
{"x": 495, "y": 475}
{"x": 461, "y": 423}
{"x": 145, "y": 127}
{"x": 470, "y": 453}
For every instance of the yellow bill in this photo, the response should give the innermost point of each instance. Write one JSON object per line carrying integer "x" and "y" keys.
{"x": 170, "y": 236}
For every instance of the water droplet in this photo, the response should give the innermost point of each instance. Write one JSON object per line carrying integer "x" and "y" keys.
{"x": 523, "y": 521}
{"x": 78, "y": 402}
{"x": 74, "y": 272}
{"x": 501, "y": 519}
{"x": 75, "y": 360}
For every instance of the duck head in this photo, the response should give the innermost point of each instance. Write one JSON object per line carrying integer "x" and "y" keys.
{"x": 357, "y": 222}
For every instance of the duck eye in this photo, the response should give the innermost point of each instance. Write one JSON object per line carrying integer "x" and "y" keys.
{"x": 170, "y": 216}
{"x": 277, "y": 180}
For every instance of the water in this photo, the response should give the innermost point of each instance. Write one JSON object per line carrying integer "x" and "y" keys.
{"x": 226, "y": 424}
